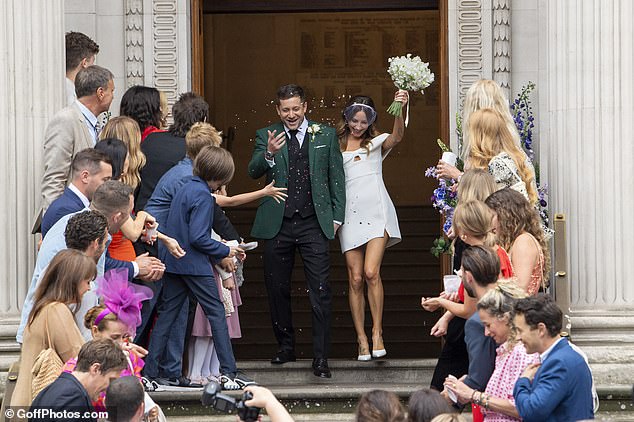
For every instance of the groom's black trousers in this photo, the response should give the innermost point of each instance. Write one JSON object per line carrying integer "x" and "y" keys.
{"x": 306, "y": 236}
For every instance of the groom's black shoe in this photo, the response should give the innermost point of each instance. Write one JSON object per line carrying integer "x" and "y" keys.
{"x": 320, "y": 368}
{"x": 283, "y": 357}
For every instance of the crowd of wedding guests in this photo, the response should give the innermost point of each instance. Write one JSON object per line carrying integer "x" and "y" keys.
{"x": 132, "y": 227}
{"x": 500, "y": 326}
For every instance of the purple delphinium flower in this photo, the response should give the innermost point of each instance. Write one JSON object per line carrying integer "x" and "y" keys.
{"x": 523, "y": 117}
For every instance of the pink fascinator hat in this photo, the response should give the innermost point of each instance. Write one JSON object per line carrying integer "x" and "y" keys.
{"x": 122, "y": 298}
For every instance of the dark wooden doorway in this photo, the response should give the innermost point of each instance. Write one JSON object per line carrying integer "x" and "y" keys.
{"x": 244, "y": 50}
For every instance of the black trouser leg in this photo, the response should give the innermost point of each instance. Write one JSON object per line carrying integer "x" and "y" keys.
{"x": 313, "y": 247}
{"x": 454, "y": 358}
{"x": 279, "y": 258}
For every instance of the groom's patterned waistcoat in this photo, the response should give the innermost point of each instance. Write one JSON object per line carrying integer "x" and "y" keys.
{"x": 299, "y": 188}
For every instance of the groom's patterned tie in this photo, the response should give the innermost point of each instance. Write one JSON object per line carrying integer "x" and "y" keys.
{"x": 293, "y": 145}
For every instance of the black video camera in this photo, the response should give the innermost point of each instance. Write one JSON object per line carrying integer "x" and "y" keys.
{"x": 227, "y": 404}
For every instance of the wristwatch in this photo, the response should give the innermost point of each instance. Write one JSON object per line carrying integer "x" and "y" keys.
{"x": 269, "y": 155}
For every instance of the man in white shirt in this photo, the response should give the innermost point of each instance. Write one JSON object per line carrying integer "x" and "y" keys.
{"x": 80, "y": 53}
{"x": 304, "y": 157}
{"x": 90, "y": 168}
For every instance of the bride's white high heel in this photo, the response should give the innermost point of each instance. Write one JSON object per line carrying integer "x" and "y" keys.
{"x": 378, "y": 353}
{"x": 364, "y": 357}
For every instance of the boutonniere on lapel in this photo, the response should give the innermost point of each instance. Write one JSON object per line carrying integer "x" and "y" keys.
{"x": 313, "y": 130}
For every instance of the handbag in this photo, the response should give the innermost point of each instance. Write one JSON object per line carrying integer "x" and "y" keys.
{"x": 46, "y": 368}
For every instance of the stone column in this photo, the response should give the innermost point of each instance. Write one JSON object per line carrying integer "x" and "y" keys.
{"x": 167, "y": 46}
{"x": 32, "y": 90}
{"x": 589, "y": 146}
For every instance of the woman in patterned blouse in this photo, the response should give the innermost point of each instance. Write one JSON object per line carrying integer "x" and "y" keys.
{"x": 497, "y": 402}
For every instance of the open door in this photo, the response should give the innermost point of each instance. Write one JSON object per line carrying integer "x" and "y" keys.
{"x": 333, "y": 49}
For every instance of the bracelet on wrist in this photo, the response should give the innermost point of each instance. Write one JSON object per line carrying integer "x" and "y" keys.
{"x": 473, "y": 394}
{"x": 478, "y": 401}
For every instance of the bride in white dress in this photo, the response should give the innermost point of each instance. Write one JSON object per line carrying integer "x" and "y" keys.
{"x": 371, "y": 224}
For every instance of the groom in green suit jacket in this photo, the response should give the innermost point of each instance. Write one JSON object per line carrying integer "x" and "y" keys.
{"x": 304, "y": 157}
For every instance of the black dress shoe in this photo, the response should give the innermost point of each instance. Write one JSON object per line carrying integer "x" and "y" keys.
{"x": 320, "y": 368}
{"x": 283, "y": 357}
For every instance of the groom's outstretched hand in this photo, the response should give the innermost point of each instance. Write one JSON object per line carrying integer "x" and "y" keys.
{"x": 276, "y": 142}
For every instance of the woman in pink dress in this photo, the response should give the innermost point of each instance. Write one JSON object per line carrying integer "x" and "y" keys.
{"x": 496, "y": 401}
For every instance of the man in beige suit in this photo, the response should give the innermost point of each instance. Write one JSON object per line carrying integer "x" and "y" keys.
{"x": 74, "y": 128}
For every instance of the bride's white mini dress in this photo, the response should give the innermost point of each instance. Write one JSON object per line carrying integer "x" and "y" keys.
{"x": 369, "y": 209}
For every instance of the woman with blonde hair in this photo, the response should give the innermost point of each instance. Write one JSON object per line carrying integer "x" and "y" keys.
{"x": 473, "y": 225}
{"x": 486, "y": 93}
{"x": 51, "y": 323}
{"x": 127, "y": 130}
{"x": 476, "y": 184}
{"x": 483, "y": 93}
{"x": 518, "y": 229}
{"x": 492, "y": 147}
{"x": 473, "y": 222}
{"x": 496, "y": 312}
{"x": 123, "y": 133}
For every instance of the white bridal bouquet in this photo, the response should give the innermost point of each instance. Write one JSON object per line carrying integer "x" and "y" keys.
{"x": 410, "y": 74}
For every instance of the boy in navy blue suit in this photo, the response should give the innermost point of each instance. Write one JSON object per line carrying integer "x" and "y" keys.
{"x": 189, "y": 221}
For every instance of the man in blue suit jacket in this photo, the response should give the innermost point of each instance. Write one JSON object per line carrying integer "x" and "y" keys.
{"x": 89, "y": 169}
{"x": 560, "y": 388}
{"x": 99, "y": 362}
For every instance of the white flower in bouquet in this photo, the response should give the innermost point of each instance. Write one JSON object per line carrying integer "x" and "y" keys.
{"x": 410, "y": 74}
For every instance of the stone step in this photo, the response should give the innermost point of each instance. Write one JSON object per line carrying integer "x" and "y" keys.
{"x": 409, "y": 371}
